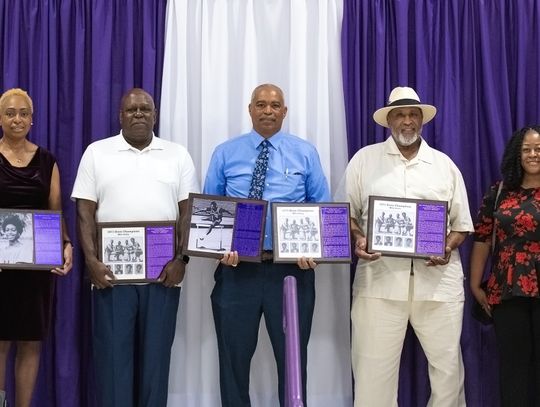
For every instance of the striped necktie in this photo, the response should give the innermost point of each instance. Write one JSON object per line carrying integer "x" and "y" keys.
{"x": 259, "y": 172}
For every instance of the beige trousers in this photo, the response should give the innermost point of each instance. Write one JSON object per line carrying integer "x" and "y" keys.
{"x": 378, "y": 332}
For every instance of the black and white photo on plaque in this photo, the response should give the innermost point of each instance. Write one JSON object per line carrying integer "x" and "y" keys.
{"x": 30, "y": 239}
{"x": 122, "y": 248}
{"x": 313, "y": 230}
{"x": 219, "y": 224}
{"x": 17, "y": 243}
{"x": 298, "y": 227}
{"x": 211, "y": 225}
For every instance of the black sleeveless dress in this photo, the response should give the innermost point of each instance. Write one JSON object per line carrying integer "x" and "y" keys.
{"x": 26, "y": 295}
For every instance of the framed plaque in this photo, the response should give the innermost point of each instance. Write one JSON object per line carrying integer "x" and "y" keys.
{"x": 136, "y": 251}
{"x": 407, "y": 227}
{"x": 220, "y": 224}
{"x": 314, "y": 230}
{"x": 31, "y": 239}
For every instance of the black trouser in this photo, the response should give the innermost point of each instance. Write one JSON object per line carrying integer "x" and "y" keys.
{"x": 517, "y": 328}
{"x": 240, "y": 297}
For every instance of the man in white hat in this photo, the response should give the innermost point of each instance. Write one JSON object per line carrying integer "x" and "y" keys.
{"x": 389, "y": 292}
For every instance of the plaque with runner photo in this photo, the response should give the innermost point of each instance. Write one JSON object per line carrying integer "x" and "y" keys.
{"x": 220, "y": 224}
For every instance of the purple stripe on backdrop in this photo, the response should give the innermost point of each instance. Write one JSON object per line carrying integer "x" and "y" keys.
{"x": 76, "y": 59}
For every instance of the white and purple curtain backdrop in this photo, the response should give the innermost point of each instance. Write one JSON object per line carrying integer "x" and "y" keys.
{"x": 336, "y": 60}
{"x": 216, "y": 52}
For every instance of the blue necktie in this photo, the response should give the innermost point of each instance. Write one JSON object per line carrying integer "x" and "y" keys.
{"x": 259, "y": 172}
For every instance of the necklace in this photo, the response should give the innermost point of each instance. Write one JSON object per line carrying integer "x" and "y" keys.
{"x": 17, "y": 159}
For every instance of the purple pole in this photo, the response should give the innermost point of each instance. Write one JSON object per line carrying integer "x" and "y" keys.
{"x": 293, "y": 375}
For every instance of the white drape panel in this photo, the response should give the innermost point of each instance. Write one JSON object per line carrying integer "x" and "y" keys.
{"x": 216, "y": 52}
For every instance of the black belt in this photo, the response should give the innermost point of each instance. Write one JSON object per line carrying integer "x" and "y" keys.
{"x": 267, "y": 256}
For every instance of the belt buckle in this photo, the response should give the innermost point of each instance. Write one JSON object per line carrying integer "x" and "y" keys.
{"x": 267, "y": 255}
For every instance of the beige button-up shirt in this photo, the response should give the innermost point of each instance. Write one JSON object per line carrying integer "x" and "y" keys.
{"x": 380, "y": 169}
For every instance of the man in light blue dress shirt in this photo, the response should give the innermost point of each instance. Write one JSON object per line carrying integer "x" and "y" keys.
{"x": 245, "y": 291}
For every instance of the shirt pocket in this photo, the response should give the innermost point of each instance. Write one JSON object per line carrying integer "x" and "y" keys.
{"x": 293, "y": 183}
{"x": 161, "y": 171}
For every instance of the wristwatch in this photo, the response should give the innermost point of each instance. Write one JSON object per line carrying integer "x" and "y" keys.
{"x": 184, "y": 259}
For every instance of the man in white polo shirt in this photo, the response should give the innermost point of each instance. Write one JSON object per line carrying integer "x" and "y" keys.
{"x": 133, "y": 176}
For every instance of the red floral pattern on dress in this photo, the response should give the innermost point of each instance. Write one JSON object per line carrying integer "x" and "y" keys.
{"x": 524, "y": 223}
{"x": 517, "y": 251}
{"x": 534, "y": 247}
{"x": 529, "y": 284}
{"x": 509, "y": 203}
{"x": 522, "y": 258}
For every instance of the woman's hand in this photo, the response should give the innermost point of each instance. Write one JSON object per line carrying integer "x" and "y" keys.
{"x": 481, "y": 297}
{"x": 68, "y": 261}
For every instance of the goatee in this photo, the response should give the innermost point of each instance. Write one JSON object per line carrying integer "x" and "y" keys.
{"x": 406, "y": 141}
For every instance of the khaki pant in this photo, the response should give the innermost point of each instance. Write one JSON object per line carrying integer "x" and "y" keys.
{"x": 378, "y": 332}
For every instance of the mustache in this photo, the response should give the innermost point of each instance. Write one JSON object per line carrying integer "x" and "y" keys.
{"x": 406, "y": 141}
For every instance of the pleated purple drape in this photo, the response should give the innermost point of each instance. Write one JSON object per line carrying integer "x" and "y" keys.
{"x": 76, "y": 59}
{"x": 478, "y": 63}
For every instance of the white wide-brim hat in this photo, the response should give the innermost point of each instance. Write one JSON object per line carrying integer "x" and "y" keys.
{"x": 403, "y": 96}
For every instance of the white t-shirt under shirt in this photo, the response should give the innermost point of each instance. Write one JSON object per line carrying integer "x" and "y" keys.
{"x": 380, "y": 169}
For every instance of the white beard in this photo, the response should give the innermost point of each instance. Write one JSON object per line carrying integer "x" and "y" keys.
{"x": 405, "y": 141}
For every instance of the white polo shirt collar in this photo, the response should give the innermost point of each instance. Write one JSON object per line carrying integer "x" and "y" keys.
{"x": 122, "y": 145}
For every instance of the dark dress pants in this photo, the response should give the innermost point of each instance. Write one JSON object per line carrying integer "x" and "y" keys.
{"x": 517, "y": 329}
{"x": 240, "y": 297}
{"x": 133, "y": 332}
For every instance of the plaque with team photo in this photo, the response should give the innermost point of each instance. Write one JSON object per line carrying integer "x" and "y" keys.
{"x": 320, "y": 231}
{"x": 136, "y": 252}
{"x": 220, "y": 224}
{"x": 404, "y": 227}
{"x": 31, "y": 239}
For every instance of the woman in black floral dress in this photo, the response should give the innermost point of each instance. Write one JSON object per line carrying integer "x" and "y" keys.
{"x": 511, "y": 296}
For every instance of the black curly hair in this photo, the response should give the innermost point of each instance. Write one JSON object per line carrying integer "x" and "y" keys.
{"x": 15, "y": 221}
{"x": 511, "y": 169}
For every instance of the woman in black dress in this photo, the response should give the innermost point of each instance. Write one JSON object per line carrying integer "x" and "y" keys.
{"x": 29, "y": 179}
